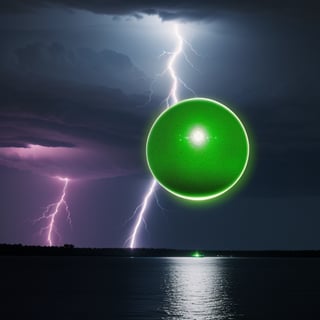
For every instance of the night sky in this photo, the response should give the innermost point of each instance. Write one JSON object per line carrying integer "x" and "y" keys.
{"x": 75, "y": 81}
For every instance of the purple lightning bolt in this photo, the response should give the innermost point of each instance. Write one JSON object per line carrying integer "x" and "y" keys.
{"x": 52, "y": 211}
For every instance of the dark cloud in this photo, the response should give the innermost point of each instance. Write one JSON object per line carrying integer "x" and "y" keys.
{"x": 54, "y": 60}
{"x": 166, "y": 9}
{"x": 68, "y": 129}
{"x": 285, "y": 147}
{"x": 60, "y": 115}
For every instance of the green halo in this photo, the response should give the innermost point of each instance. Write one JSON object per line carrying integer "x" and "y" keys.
{"x": 198, "y": 149}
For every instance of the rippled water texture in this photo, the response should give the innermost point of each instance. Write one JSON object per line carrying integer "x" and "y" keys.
{"x": 159, "y": 288}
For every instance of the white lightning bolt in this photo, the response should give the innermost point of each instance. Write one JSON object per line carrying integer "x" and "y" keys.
{"x": 173, "y": 92}
{"x": 171, "y": 99}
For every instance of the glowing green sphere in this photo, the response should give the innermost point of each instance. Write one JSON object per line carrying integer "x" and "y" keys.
{"x": 198, "y": 149}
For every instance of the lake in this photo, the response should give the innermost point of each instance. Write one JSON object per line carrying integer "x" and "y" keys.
{"x": 159, "y": 288}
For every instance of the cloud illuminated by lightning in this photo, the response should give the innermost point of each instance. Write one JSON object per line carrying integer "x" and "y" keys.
{"x": 171, "y": 99}
{"x": 52, "y": 211}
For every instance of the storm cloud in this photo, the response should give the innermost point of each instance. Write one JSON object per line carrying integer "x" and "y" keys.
{"x": 70, "y": 130}
{"x": 84, "y": 65}
{"x": 167, "y": 10}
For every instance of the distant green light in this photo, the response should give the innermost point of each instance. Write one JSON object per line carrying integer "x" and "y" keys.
{"x": 198, "y": 149}
{"x": 197, "y": 254}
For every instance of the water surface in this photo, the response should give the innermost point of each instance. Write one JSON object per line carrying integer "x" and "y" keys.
{"x": 159, "y": 288}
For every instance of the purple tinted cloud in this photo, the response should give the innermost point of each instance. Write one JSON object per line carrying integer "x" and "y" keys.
{"x": 74, "y": 131}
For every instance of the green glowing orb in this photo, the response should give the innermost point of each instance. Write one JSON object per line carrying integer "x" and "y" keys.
{"x": 198, "y": 149}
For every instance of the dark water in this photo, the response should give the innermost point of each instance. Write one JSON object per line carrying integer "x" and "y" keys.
{"x": 159, "y": 288}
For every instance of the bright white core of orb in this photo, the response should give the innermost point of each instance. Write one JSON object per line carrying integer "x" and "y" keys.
{"x": 198, "y": 136}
